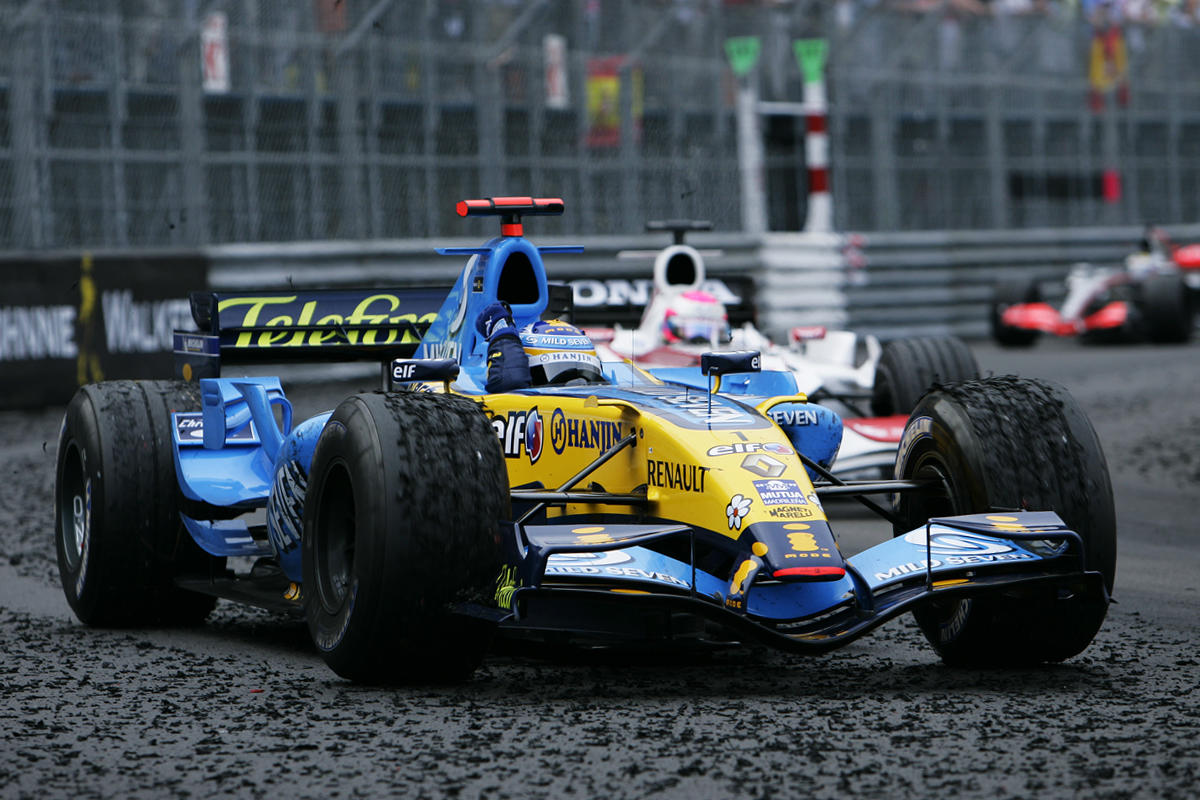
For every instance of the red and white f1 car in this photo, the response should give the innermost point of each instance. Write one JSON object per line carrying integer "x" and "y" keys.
{"x": 873, "y": 386}
{"x": 1151, "y": 296}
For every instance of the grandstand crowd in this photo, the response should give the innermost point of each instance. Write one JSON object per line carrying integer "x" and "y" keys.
{"x": 1099, "y": 12}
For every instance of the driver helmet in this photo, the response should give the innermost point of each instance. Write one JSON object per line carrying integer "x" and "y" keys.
{"x": 696, "y": 317}
{"x": 559, "y": 353}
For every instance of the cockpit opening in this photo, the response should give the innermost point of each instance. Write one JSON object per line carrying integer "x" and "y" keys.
{"x": 518, "y": 282}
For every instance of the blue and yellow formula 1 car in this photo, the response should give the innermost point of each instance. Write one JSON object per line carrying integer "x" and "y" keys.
{"x": 410, "y": 525}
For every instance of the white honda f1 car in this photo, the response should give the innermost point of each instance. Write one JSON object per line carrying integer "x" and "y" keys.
{"x": 872, "y": 385}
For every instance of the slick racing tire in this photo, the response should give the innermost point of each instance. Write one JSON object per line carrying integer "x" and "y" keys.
{"x": 1166, "y": 309}
{"x": 1002, "y": 444}
{"x": 407, "y": 491}
{"x": 1010, "y": 293}
{"x": 908, "y": 367}
{"x": 119, "y": 538}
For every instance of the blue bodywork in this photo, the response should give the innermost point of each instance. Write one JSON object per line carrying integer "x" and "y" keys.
{"x": 241, "y": 453}
{"x": 235, "y": 454}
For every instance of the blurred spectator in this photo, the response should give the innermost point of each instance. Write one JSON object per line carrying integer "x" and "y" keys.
{"x": 331, "y": 16}
{"x": 850, "y": 13}
{"x": 1057, "y": 51}
{"x": 1108, "y": 66}
{"x": 148, "y": 58}
{"x": 1014, "y": 22}
{"x": 953, "y": 14}
{"x": 950, "y": 7}
{"x": 451, "y": 19}
{"x": 281, "y": 26}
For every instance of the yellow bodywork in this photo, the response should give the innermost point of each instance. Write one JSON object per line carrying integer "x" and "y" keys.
{"x": 690, "y": 474}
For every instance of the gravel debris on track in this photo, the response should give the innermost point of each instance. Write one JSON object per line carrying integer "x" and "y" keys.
{"x": 243, "y": 706}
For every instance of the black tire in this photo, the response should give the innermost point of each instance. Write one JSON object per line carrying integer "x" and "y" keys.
{"x": 1008, "y": 443}
{"x": 1166, "y": 308}
{"x": 908, "y": 367}
{"x": 1010, "y": 293}
{"x": 406, "y": 494}
{"x": 119, "y": 538}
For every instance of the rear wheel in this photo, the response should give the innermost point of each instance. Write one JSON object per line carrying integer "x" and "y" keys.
{"x": 908, "y": 367}
{"x": 407, "y": 491}
{"x": 119, "y": 538}
{"x": 1004, "y": 444}
{"x": 1166, "y": 308}
{"x": 1011, "y": 293}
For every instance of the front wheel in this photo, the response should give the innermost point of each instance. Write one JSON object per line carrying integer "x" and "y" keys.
{"x": 119, "y": 538}
{"x": 908, "y": 367}
{"x": 1002, "y": 444}
{"x": 1005, "y": 295}
{"x": 1166, "y": 307}
{"x": 407, "y": 491}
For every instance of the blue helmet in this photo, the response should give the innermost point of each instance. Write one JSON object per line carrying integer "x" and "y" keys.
{"x": 560, "y": 353}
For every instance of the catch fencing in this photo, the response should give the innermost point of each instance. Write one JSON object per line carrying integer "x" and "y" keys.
{"x": 152, "y": 123}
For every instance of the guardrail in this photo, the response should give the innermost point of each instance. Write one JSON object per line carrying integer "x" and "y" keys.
{"x": 941, "y": 282}
{"x": 61, "y": 308}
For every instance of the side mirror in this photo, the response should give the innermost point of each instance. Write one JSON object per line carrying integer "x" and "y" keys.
{"x": 736, "y": 361}
{"x": 417, "y": 370}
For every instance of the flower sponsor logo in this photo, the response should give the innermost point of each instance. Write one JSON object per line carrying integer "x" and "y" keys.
{"x": 737, "y": 510}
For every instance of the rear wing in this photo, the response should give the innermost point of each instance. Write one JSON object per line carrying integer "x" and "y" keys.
{"x": 313, "y": 325}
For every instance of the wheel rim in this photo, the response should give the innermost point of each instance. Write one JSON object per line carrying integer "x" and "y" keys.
{"x": 937, "y": 501}
{"x": 335, "y": 539}
{"x": 944, "y": 617}
{"x": 75, "y": 508}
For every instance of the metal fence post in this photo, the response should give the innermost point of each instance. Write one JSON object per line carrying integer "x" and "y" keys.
{"x": 352, "y": 215}
{"x": 883, "y": 115}
{"x": 191, "y": 135}
{"x": 26, "y": 124}
{"x": 631, "y": 162}
{"x": 994, "y": 134}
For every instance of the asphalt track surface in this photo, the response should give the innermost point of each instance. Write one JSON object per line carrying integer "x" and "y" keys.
{"x": 244, "y": 707}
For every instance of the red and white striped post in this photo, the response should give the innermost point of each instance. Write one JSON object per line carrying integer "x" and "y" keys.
{"x": 810, "y": 53}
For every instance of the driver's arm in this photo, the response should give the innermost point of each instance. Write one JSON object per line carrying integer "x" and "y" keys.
{"x": 508, "y": 366}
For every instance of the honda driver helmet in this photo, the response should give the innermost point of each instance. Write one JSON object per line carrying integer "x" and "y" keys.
{"x": 696, "y": 317}
{"x": 560, "y": 353}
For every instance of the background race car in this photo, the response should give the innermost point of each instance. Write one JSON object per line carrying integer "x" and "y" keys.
{"x": 1152, "y": 296}
{"x": 872, "y": 386}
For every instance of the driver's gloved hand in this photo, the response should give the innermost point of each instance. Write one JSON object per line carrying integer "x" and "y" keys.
{"x": 495, "y": 320}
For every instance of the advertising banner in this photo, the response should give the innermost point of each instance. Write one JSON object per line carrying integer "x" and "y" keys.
{"x": 622, "y": 300}
{"x": 66, "y": 320}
